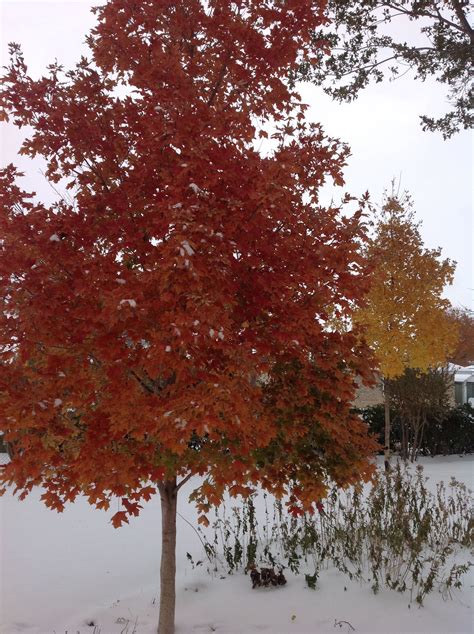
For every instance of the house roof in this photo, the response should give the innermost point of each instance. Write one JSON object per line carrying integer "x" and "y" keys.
{"x": 464, "y": 375}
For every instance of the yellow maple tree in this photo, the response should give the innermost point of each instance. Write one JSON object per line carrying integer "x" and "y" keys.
{"x": 404, "y": 318}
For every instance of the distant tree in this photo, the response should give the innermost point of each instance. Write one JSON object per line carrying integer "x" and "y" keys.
{"x": 405, "y": 315}
{"x": 463, "y": 321}
{"x": 172, "y": 319}
{"x": 367, "y": 40}
{"x": 420, "y": 399}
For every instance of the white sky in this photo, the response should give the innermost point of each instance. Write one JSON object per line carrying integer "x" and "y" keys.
{"x": 381, "y": 127}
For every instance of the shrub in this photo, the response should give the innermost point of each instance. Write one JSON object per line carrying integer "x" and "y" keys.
{"x": 398, "y": 535}
{"x": 453, "y": 434}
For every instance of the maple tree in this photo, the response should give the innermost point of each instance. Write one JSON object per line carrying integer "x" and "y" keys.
{"x": 420, "y": 400}
{"x": 405, "y": 315}
{"x": 462, "y": 320}
{"x": 170, "y": 317}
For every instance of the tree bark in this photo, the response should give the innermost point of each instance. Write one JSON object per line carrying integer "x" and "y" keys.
{"x": 405, "y": 435}
{"x": 168, "y": 494}
{"x": 10, "y": 447}
{"x": 386, "y": 392}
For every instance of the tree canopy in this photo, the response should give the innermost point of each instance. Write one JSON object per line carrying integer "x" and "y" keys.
{"x": 405, "y": 314}
{"x": 141, "y": 315}
{"x": 462, "y": 320}
{"x": 368, "y": 40}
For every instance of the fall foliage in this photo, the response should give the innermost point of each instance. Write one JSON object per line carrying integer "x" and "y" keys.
{"x": 405, "y": 316}
{"x": 462, "y": 320}
{"x": 170, "y": 317}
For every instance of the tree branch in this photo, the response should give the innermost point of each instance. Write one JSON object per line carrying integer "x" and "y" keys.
{"x": 368, "y": 67}
{"x": 199, "y": 536}
{"x": 184, "y": 480}
{"x": 149, "y": 389}
{"x": 95, "y": 170}
{"x": 220, "y": 79}
{"x": 427, "y": 14}
{"x": 458, "y": 9}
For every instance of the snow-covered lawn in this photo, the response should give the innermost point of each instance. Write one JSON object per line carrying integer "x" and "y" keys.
{"x": 74, "y": 572}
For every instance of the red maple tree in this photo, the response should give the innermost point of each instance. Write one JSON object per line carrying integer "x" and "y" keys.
{"x": 172, "y": 316}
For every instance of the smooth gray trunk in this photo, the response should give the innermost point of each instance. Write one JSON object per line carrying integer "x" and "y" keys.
{"x": 168, "y": 495}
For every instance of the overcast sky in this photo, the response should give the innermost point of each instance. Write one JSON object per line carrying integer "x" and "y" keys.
{"x": 381, "y": 127}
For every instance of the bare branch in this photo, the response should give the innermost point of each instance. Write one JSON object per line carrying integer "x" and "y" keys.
{"x": 143, "y": 383}
{"x": 219, "y": 81}
{"x": 184, "y": 480}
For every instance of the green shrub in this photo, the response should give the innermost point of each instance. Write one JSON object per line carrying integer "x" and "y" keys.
{"x": 453, "y": 434}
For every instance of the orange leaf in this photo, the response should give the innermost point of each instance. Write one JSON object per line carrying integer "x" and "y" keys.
{"x": 119, "y": 518}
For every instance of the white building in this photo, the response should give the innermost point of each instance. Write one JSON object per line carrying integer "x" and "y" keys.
{"x": 464, "y": 385}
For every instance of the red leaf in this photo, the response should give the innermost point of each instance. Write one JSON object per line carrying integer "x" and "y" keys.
{"x": 119, "y": 518}
{"x": 133, "y": 508}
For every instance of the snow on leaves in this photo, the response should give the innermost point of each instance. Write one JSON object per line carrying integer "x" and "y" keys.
{"x": 186, "y": 248}
{"x": 131, "y": 302}
{"x": 195, "y": 188}
{"x": 224, "y": 256}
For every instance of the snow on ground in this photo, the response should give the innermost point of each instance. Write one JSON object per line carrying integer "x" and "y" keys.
{"x": 73, "y": 571}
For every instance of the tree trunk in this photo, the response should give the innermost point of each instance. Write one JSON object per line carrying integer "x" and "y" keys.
{"x": 168, "y": 494}
{"x": 387, "y": 425}
{"x": 414, "y": 444}
{"x": 417, "y": 436}
{"x": 11, "y": 449}
{"x": 405, "y": 434}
